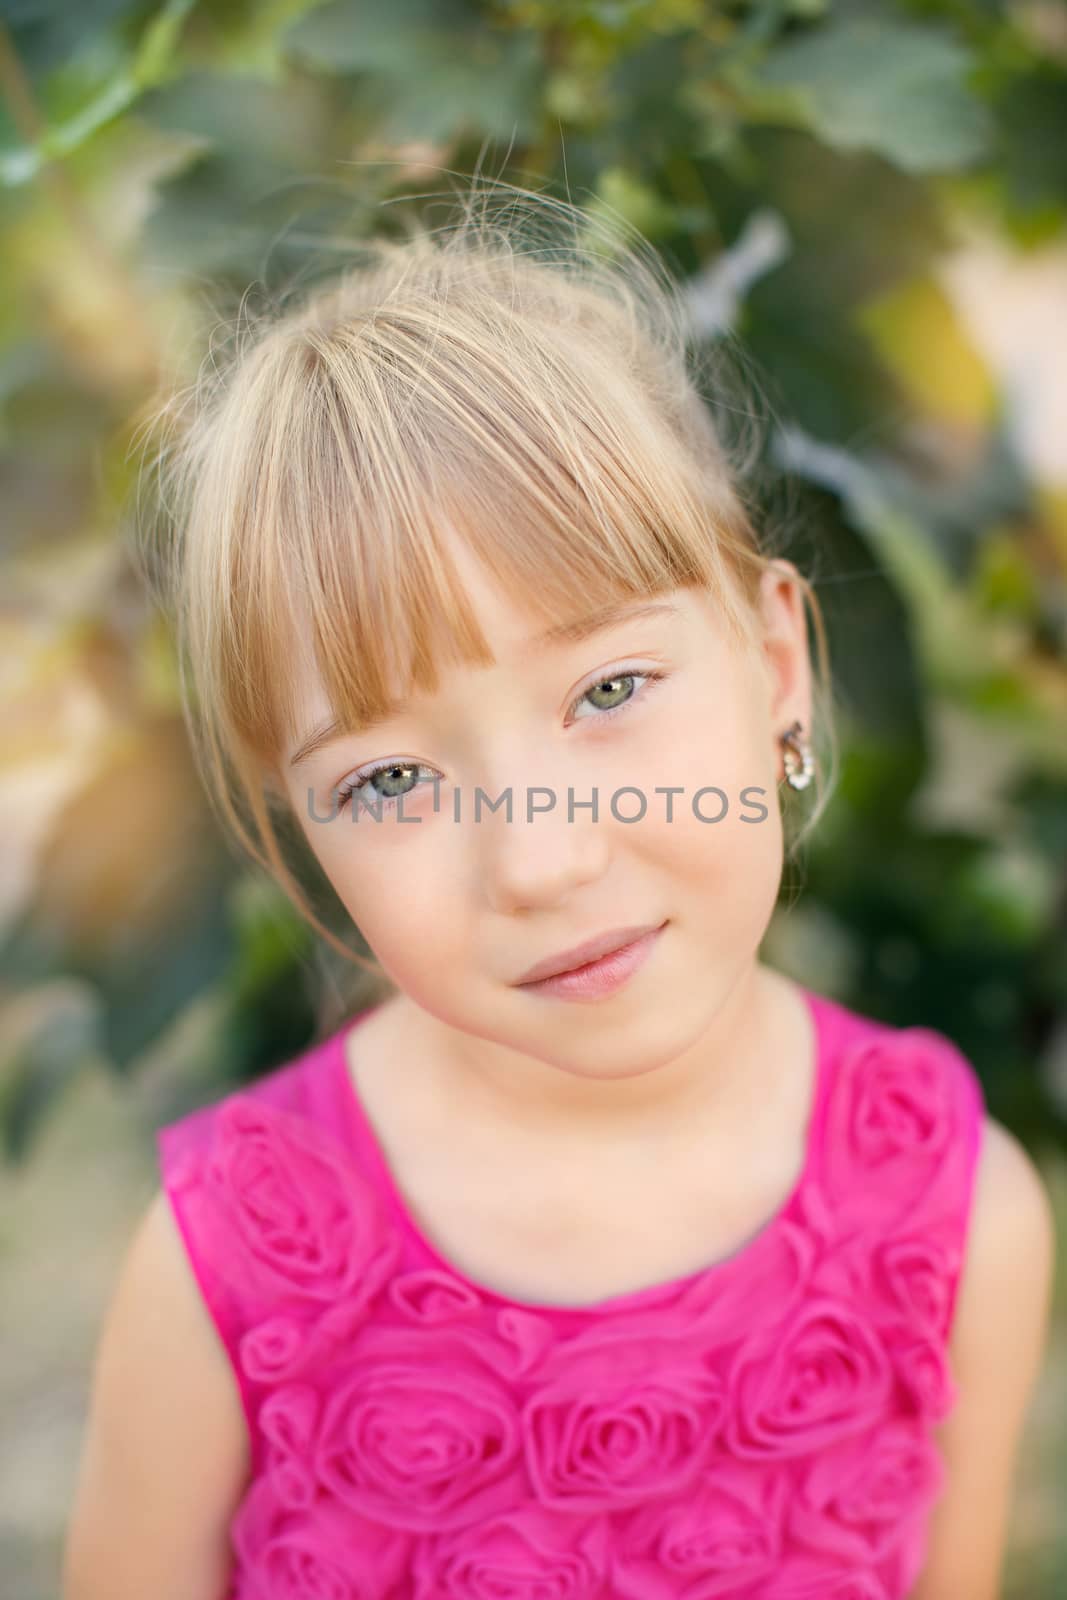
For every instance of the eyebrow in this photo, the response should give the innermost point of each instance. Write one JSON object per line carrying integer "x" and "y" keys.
{"x": 570, "y": 632}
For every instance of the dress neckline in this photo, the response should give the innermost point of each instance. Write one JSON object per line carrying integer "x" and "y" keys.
{"x": 648, "y": 1295}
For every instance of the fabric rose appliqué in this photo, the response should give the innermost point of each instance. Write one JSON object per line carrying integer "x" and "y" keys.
{"x": 890, "y": 1120}
{"x": 420, "y": 1430}
{"x": 323, "y": 1553}
{"x": 523, "y": 1555}
{"x": 302, "y": 1228}
{"x": 287, "y": 1421}
{"x": 856, "y": 1499}
{"x": 804, "y": 1580}
{"x": 278, "y": 1349}
{"x": 902, "y": 1104}
{"x": 716, "y": 1541}
{"x": 917, "y": 1275}
{"x": 821, "y": 1376}
{"x": 923, "y": 1368}
{"x": 430, "y": 1295}
{"x": 611, "y": 1422}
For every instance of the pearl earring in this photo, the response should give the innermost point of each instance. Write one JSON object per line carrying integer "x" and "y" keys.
{"x": 797, "y": 757}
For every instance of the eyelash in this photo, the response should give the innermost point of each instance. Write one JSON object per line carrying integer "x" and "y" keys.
{"x": 346, "y": 790}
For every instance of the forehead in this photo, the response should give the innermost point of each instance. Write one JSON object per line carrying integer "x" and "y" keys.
{"x": 517, "y": 635}
{"x": 518, "y": 623}
{"x": 502, "y": 616}
{"x": 503, "y": 619}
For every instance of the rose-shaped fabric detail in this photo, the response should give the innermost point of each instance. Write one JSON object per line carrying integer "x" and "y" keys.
{"x": 287, "y": 1417}
{"x": 842, "y": 1272}
{"x": 420, "y": 1431}
{"x": 531, "y": 1335}
{"x": 822, "y": 1376}
{"x": 432, "y": 1295}
{"x": 287, "y": 1420}
{"x": 297, "y": 1225}
{"x": 720, "y": 1538}
{"x": 856, "y": 1498}
{"x": 917, "y": 1276}
{"x": 293, "y": 1485}
{"x": 321, "y": 1554}
{"x": 527, "y": 1554}
{"x": 902, "y": 1104}
{"x": 619, "y": 1421}
{"x": 275, "y": 1349}
{"x": 805, "y": 1580}
{"x": 924, "y": 1372}
{"x": 282, "y": 1347}
{"x": 890, "y": 1121}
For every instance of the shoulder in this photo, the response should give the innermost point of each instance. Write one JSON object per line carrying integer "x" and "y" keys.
{"x": 1006, "y": 1284}
{"x": 165, "y": 1451}
{"x": 157, "y": 1320}
{"x": 996, "y": 1352}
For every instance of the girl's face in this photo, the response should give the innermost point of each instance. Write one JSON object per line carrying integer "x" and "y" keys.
{"x": 457, "y": 906}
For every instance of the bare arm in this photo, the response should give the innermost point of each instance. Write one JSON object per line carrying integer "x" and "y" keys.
{"x": 165, "y": 1457}
{"x": 996, "y": 1352}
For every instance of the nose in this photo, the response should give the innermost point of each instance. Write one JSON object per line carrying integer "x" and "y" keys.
{"x": 549, "y": 848}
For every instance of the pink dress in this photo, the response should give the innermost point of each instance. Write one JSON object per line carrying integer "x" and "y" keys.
{"x": 759, "y": 1429}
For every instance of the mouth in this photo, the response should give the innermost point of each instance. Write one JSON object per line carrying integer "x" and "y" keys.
{"x": 587, "y": 954}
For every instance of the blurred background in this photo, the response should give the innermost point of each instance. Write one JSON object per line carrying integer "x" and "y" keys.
{"x": 870, "y": 197}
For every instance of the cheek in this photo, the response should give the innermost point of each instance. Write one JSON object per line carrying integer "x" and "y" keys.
{"x": 414, "y": 954}
{"x": 727, "y": 872}
{"x": 405, "y": 904}
{"x": 728, "y": 850}
{"x": 723, "y": 764}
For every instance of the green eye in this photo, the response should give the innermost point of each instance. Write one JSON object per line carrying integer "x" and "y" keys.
{"x": 618, "y": 691}
{"x": 384, "y": 784}
{"x": 614, "y": 693}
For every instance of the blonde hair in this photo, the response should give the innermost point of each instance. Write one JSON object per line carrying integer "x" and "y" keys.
{"x": 532, "y": 388}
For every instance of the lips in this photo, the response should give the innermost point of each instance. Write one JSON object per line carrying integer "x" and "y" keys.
{"x": 582, "y": 954}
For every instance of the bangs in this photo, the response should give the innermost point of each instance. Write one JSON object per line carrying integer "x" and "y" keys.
{"x": 384, "y": 439}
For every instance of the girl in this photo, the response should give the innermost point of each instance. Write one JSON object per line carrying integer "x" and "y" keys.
{"x": 596, "y": 1259}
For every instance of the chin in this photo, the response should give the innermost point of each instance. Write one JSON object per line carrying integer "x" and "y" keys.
{"x": 608, "y": 1060}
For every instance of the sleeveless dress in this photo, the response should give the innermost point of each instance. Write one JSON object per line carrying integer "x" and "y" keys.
{"x": 759, "y": 1429}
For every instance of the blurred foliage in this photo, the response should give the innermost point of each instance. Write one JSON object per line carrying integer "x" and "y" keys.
{"x": 870, "y": 193}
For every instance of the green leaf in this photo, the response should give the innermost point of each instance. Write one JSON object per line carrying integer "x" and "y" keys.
{"x": 897, "y": 88}
{"x": 151, "y": 65}
{"x": 249, "y": 40}
{"x": 1010, "y": 891}
{"x": 1031, "y": 112}
{"x": 620, "y": 194}
{"x": 50, "y": 34}
{"x": 443, "y": 66}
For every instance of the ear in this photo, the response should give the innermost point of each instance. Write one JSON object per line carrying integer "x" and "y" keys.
{"x": 786, "y": 656}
